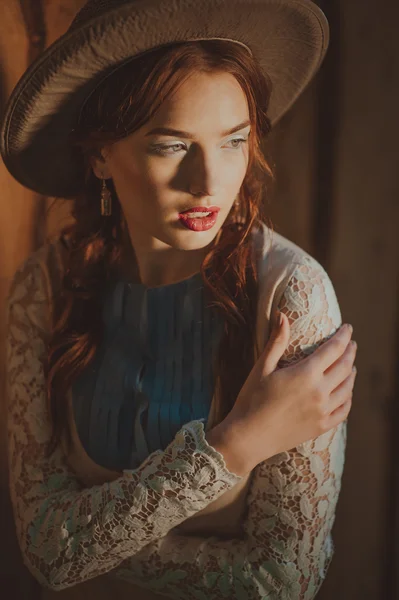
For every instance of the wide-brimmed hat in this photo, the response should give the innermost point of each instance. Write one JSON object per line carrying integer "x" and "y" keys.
{"x": 289, "y": 38}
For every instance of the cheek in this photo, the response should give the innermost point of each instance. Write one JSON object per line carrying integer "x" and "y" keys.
{"x": 153, "y": 193}
{"x": 235, "y": 174}
{"x": 154, "y": 173}
{"x": 235, "y": 165}
{"x": 137, "y": 177}
{"x": 142, "y": 192}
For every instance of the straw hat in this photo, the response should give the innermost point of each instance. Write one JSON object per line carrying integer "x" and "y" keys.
{"x": 288, "y": 37}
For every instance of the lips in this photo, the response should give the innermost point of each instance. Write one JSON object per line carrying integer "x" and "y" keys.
{"x": 202, "y": 209}
{"x": 205, "y": 220}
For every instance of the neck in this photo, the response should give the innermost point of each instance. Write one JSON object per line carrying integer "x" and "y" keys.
{"x": 150, "y": 277}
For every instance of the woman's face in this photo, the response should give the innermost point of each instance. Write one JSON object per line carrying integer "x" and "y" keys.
{"x": 159, "y": 173}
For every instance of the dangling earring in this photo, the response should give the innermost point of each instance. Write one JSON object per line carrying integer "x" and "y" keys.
{"x": 106, "y": 200}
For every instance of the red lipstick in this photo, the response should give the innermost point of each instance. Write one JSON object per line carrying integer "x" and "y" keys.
{"x": 202, "y": 222}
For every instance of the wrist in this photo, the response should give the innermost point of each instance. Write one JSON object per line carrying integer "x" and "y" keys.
{"x": 228, "y": 439}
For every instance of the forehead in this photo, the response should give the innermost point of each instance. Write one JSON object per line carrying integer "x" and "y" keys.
{"x": 214, "y": 98}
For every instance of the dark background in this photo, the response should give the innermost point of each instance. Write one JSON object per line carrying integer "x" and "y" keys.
{"x": 337, "y": 162}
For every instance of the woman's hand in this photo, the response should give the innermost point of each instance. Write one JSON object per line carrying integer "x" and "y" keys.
{"x": 278, "y": 409}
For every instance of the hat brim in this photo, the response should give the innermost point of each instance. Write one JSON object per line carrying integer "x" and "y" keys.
{"x": 289, "y": 38}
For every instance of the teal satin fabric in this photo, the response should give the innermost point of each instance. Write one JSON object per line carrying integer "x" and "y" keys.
{"x": 153, "y": 372}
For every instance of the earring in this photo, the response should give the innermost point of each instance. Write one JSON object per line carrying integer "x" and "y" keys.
{"x": 106, "y": 200}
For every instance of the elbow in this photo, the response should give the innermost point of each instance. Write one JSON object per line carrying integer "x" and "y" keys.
{"x": 54, "y": 584}
{"x": 310, "y": 588}
{"x": 290, "y": 581}
{"x": 48, "y": 578}
{"x": 322, "y": 571}
{"x": 51, "y": 583}
{"x": 39, "y": 564}
{"x": 45, "y": 561}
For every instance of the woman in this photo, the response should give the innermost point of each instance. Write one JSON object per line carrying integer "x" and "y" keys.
{"x": 156, "y": 446}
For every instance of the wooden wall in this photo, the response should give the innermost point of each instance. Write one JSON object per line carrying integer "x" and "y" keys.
{"x": 337, "y": 192}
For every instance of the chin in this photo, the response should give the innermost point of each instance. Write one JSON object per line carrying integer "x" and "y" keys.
{"x": 193, "y": 240}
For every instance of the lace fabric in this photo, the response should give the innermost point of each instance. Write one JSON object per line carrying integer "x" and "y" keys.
{"x": 68, "y": 534}
{"x": 286, "y": 546}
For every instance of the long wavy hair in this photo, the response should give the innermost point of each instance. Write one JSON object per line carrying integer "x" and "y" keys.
{"x": 125, "y": 101}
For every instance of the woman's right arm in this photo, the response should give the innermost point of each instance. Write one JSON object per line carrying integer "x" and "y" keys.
{"x": 69, "y": 534}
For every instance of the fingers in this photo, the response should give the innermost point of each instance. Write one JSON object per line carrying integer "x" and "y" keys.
{"x": 342, "y": 367}
{"x": 341, "y": 414}
{"x": 326, "y": 354}
{"x": 343, "y": 393}
{"x": 276, "y": 346}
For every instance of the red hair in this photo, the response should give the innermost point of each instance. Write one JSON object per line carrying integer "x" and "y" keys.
{"x": 123, "y": 103}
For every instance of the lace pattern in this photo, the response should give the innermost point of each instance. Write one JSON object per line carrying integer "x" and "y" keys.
{"x": 68, "y": 534}
{"x": 286, "y": 546}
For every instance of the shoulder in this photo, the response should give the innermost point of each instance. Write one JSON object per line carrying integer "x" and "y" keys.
{"x": 280, "y": 259}
{"x": 281, "y": 256}
{"x": 292, "y": 280}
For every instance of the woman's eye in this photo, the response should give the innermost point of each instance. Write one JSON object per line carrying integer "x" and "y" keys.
{"x": 169, "y": 149}
{"x": 164, "y": 149}
{"x": 241, "y": 140}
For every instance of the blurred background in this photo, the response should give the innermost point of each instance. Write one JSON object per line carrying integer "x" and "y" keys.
{"x": 336, "y": 158}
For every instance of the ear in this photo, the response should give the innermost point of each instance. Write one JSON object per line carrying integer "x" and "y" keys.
{"x": 99, "y": 164}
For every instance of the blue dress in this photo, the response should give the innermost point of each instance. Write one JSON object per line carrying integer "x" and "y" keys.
{"x": 152, "y": 373}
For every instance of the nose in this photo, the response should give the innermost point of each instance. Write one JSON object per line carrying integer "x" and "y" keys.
{"x": 203, "y": 175}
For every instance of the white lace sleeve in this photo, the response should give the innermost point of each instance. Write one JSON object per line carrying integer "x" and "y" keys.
{"x": 286, "y": 546}
{"x": 68, "y": 534}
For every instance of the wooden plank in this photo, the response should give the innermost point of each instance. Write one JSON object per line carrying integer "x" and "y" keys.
{"x": 22, "y": 212}
{"x": 291, "y": 148}
{"x": 17, "y": 210}
{"x": 58, "y": 16}
{"x": 364, "y": 263}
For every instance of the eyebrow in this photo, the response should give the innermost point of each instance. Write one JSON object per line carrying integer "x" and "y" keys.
{"x": 188, "y": 135}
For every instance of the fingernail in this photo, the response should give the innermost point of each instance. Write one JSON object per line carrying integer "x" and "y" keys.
{"x": 280, "y": 320}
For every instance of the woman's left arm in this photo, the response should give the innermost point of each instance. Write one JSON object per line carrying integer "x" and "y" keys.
{"x": 286, "y": 546}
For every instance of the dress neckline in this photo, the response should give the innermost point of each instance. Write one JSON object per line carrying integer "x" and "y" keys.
{"x": 167, "y": 286}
